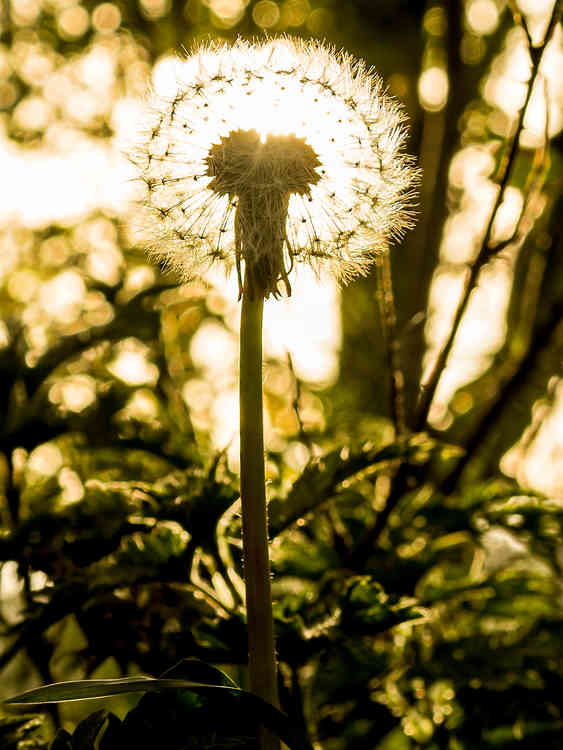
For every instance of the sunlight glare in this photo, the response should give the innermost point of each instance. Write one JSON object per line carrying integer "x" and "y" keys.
{"x": 72, "y": 489}
{"x": 74, "y": 393}
{"x": 62, "y": 296}
{"x": 46, "y": 460}
{"x": 433, "y": 88}
{"x": 214, "y": 349}
{"x": 536, "y": 460}
{"x": 131, "y": 364}
{"x": 480, "y": 336}
{"x": 482, "y": 16}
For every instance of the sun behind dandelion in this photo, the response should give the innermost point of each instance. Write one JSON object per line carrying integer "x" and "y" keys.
{"x": 272, "y": 153}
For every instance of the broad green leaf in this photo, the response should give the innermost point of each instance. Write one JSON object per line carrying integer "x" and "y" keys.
{"x": 265, "y": 713}
{"x": 76, "y": 690}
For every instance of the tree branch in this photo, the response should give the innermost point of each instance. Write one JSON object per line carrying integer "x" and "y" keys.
{"x": 428, "y": 389}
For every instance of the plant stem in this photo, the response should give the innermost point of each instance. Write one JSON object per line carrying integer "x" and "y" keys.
{"x": 261, "y": 649}
{"x": 392, "y": 346}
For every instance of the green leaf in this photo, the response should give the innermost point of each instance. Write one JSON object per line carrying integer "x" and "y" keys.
{"x": 76, "y": 690}
{"x": 88, "y": 729}
{"x": 254, "y": 706}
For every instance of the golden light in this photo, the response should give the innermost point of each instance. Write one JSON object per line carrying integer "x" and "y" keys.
{"x": 62, "y": 296}
{"x": 537, "y": 461}
{"x": 508, "y": 214}
{"x": 131, "y": 365}
{"x": 105, "y": 264}
{"x": 72, "y": 489}
{"x": 435, "y": 21}
{"x": 24, "y": 12}
{"x": 74, "y": 393}
{"x": 433, "y": 88}
{"x": 321, "y": 21}
{"x": 154, "y": 9}
{"x": 266, "y": 14}
{"x": 106, "y": 18}
{"x": 73, "y": 22}
{"x": 214, "y": 349}
{"x": 309, "y": 328}
{"x": 5, "y": 337}
{"x": 470, "y": 165}
{"x": 294, "y": 12}
{"x": 23, "y": 285}
{"x": 198, "y": 395}
{"x": 226, "y": 13}
{"x": 32, "y": 113}
{"x": 143, "y": 404}
{"x": 482, "y": 16}
{"x": 481, "y": 333}
{"x": 46, "y": 460}
{"x": 505, "y": 89}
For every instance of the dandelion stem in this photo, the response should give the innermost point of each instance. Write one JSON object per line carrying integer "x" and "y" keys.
{"x": 392, "y": 345}
{"x": 261, "y": 649}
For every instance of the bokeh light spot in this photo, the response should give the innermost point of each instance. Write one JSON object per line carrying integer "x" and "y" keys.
{"x": 295, "y": 12}
{"x": 266, "y": 14}
{"x": 22, "y": 285}
{"x": 106, "y": 18}
{"x": 197, "y": 394}
{"x": 433, "y": 87}
{"x": 227, "y": 13}
{"x": 71, "y": 486}
{"x": 131, "y": 365}
{"x": 321, "y": 21}
{"x": 32, "y": 114}
{"x": 47, "y": 459}
{"x": 25, "y": 12}
{"x": 4, "y": 335}
{"x": 75, "y": 393}
{"x": 482, "y": 16}
{"x": 62, "y": 296}
{"x": 154, "y": 9}
{"x": 435, "y": 22}
{"x": 213, "y": 348}
{"x": 73, "y": 22}
{"x": 8, "y": 94}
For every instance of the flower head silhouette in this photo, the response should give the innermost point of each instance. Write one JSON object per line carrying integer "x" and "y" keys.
{"x": 271, "y": 153}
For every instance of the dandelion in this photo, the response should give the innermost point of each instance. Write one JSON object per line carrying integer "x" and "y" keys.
{"x": 263, "y": 156}
{"x": 271, "y": 154}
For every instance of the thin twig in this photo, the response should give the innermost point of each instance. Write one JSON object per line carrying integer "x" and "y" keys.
{"x": 534, "y": 184}
{"x": 520, "y": 19}
{"x": 428, "y": 389}
{"x": 540, "y": 340}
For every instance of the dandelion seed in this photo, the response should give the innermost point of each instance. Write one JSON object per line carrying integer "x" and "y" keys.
{"x": 273, "y": 153}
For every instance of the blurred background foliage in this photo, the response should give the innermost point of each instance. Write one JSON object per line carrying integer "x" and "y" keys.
{"x": 417, "y": 555}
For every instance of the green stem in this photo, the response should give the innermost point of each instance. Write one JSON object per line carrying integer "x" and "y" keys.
{"x": 261, "y": 648}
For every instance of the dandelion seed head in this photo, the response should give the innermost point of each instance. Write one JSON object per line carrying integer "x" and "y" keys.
{"x": 269, "y": 154}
